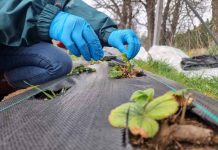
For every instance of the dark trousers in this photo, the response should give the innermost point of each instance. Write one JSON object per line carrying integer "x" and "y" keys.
{"x": 36, "y": 64}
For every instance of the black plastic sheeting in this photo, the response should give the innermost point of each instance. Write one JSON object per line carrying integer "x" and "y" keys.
{"x": 200, "y": 62}
{"x": 77, "y": 120}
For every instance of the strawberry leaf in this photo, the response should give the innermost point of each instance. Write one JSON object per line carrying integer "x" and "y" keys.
{"x": 143, "y": 97}
{"x": 162, "y": 107}
{"x": 143, "y": 126}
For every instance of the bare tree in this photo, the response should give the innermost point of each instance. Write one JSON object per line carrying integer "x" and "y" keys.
{"x": 215, "y": 16}
{"x": 177, "y": 18}
{"x": 149, "y": 6}
{"x": 128, "y": 14}
{"x": 164, "y": 33}
{"x": 123, "y": 11}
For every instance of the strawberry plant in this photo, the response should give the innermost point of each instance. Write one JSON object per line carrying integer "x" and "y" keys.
{"x": 81, "y": 69}
{"x": 125, "y": 70}
{"x": 142, "y": 113}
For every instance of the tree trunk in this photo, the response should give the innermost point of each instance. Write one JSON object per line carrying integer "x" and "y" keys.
{"x": 126, "y": 16}
{"x": 215, "y": 16}
{"x": 150, "y": 9}
{"x": 175, "y": 20}
{"x": 164, "y": 37}
{"x": 130, "y": 17}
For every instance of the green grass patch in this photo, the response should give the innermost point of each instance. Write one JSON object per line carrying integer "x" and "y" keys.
{"x": 206, "y": 86}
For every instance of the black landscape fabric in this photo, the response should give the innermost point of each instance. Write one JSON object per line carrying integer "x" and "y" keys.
{"x": 77, "y": 120}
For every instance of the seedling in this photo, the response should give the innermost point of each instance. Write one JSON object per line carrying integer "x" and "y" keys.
{"x": 125, "y": 70}
{"x": 49, "y": 96}
{"x": 81, "y": 69}
{"x": 127, "y": 62}
{"x": 144, "y": 112}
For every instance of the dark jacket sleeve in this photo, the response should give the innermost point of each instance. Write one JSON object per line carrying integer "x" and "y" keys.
{"x": 101, "y": 23}
{"x": 24, "y": 22}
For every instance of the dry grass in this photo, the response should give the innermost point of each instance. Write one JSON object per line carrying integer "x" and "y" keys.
{"x": 17, "y": 93}
{"x": 197, "y": 52}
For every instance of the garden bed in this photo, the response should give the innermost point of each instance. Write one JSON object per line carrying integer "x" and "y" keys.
{"x": 79, "y": 118}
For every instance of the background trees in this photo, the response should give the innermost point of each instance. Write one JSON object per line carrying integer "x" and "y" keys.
{"x": 180, "y": 27}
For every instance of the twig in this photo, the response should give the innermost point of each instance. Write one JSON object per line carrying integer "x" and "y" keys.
{"x": 183, "y": 111}
{"x": 179, "y": 145}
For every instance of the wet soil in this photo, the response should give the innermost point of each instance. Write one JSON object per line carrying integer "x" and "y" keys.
{"x": 193, "y": 134}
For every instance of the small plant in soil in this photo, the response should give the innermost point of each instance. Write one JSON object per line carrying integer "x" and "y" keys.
{"x": 81, "y": 69}
{"x": 51, "y": 94}
{"x": 156, "y": 123}
{"x": 47, "y": 95}
{"x": 125, "y": 70}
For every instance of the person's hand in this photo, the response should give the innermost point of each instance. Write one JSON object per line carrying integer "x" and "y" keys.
{"x": 77, "y": 35}
{"x": 120, "y": 38}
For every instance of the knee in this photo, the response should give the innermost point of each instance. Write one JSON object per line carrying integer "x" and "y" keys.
{"x": 61, "y": 66}
{"x": 54, "y": 60}
{"x": 66, "y": 65}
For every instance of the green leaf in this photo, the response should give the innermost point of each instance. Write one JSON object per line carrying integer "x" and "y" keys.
{"x": 162, "y": 107}
{"x": 142, "y": 120}
{"x": 146, "y": 127}
{"x": 137, "y": 123}
{"x": 118, "y": 116}
{"x": 115, "y": 74}
{"x": 124, "y": 58}
{"x": 143, "y": 97}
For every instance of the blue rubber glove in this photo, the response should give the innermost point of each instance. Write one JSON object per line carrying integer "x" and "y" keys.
{"x": 77, "y": 35}
{"x": 120, "y": 38}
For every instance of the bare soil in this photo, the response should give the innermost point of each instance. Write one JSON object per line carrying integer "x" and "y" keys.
{"x": 193, "y": 134}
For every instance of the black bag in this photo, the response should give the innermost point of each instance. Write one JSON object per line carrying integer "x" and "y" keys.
{"x": 200, "y": 62}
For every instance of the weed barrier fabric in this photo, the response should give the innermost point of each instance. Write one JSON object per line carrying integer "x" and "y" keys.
{"x": 77, "y": 120}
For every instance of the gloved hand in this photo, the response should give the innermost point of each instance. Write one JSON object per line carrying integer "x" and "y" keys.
{"x": 119, "y": 38}
{"x": 77, "y": 36}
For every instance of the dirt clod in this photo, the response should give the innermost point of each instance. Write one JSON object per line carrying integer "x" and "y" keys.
{"x": 191, "y": 134}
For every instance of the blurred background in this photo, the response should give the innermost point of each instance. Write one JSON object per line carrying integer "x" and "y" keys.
{"x": 179, "y": 28}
